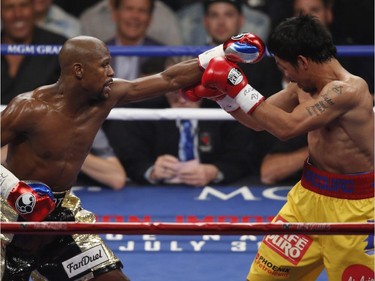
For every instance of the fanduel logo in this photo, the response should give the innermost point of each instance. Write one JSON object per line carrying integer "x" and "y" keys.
{"x": 85, "y": 261}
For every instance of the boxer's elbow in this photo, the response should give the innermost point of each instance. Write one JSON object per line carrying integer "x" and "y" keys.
{"x": 283, "y": 136}
{"x": 288, "y": 128}
{"x": 285, "y": 133}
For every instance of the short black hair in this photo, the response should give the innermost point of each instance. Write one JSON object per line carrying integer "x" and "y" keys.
{"x": 236, "y": 3}
{"x": 303, "y": 35}
{"x": 116, "y": 4}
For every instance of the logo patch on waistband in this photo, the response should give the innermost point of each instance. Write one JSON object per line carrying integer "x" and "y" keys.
{"x": 85, "y": 261}
{"x": 290, "y": 247}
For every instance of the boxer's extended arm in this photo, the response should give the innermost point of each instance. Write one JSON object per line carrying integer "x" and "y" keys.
{"x": 33, "y": 201}
{"x": 333, "y": 102}
{"x": 244, "y": 47}
{"x": 335, "y": 99}
{"x": 178, "y": 76}
{"x": 286, "y": 99}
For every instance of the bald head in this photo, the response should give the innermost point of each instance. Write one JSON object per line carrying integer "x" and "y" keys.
{"x": 81, "y": 49}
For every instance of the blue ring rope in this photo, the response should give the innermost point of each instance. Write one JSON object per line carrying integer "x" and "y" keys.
{"x": 158, "y": 51}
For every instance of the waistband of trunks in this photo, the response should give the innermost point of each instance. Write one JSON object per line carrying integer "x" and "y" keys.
{"x": 60, "y": 194}
{"x": 59, "y": 197}
{"x": 345, "y": 186}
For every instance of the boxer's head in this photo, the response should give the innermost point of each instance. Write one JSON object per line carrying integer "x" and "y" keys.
{"x": 86, "y": 60}
{"x": 175, "y": 98}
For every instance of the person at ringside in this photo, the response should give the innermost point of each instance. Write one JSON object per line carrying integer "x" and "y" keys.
{"x": 195, "y": 153}
{"x": 21, "y": 73}
{"x": 337, "y": 183}
{"x": 49, "y": 132}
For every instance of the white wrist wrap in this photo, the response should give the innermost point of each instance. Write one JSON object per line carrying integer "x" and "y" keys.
{"x": 228, "y": 104}
{"x": 248, "y": 99}
{"x": 205, "y": 57}
{"x": 7, "y": 182}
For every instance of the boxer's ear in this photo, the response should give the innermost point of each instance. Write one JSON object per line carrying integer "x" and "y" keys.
{"x": 78, "y": 70}
{"x": 302, "y": 62}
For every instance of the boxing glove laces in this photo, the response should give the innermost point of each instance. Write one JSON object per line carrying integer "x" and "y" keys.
{"x": 33, "y": 201}
{"x": 242, "y": 48}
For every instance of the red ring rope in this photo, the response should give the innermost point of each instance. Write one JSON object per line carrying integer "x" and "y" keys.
{"x": 164, "y": 228}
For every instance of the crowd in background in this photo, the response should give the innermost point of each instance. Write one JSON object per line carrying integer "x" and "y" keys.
{"x": 134, "y": 150}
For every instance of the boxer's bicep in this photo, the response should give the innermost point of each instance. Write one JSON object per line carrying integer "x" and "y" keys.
{"x": 308, "y": 116}
{"x": 7, "y": 115}
{"x": 334, "y": 101}
{"x": 14, "y": 120}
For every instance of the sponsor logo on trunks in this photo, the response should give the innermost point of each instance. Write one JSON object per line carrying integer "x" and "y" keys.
{"x": 290, "y": 247}
{"x": 264, "y": 264}
{"x": 329, "y": 184}
{"x": 235, "y": 76}
{"x": 85, "y": 261}
{"x": 358, "y": 272}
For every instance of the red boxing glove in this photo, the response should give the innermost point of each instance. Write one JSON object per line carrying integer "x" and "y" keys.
{"x": 189, "y": 94}
{"x": 33, "y": 201}
{"x": 228, "y": 78}
{"x": 244, "y": 47}
{"x": 198, "y": 91}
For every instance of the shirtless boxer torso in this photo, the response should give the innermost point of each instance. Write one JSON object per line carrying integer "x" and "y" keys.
{"x": 50, "y": 132}
{"x": 338, "y": 178}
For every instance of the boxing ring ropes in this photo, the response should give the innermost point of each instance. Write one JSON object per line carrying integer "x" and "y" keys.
{"x": 164, "y": 228}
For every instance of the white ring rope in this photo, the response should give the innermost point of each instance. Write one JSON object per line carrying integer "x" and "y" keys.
{"x": 131, "y": 114}
{"x": 168, "y": 114}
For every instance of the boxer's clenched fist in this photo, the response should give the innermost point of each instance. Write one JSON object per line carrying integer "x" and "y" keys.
{"x": 31, "y": 200}
{"x": 228, "y": 78}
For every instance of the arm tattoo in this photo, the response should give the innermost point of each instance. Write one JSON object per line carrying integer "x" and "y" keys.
{"x": 337, "y": 90}
{"x": 323, "y": 103}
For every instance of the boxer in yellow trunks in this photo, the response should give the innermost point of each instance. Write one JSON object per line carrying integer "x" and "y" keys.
{"x": 335, "y": 109}
{"x": 321, "y": 197}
